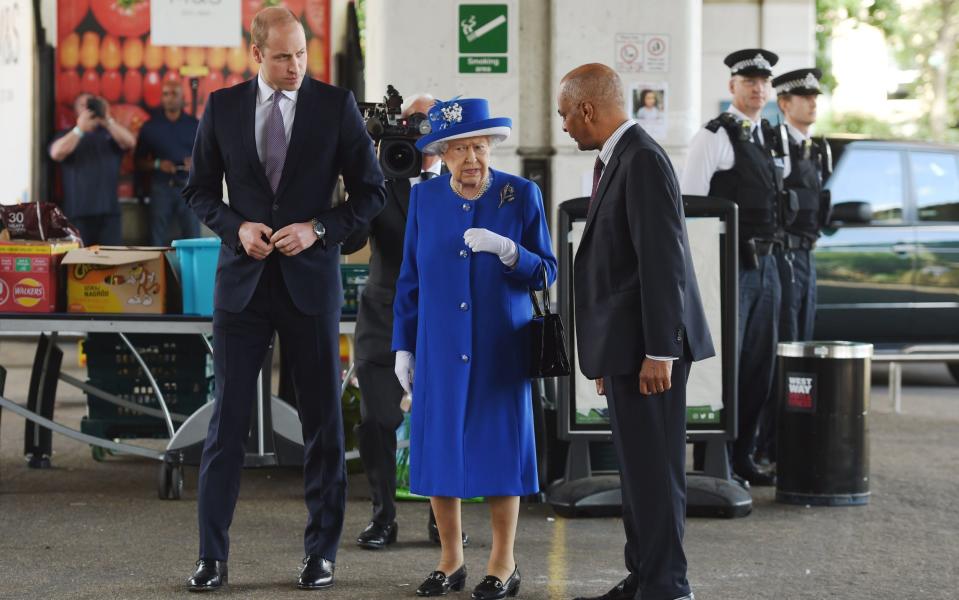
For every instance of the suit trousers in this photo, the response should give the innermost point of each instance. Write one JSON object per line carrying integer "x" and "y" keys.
{"x": 240, "y": 343}
{"x": 649, "y": 433}
{"x": 380, "y": 416}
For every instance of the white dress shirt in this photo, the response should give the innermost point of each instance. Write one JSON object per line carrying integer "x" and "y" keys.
{"x": 605, "y": 154}
{"x": 435, "y": 168}
{"x": 264, "y": 102}
{"x": 797, "y": 136}
{"x": 710, "y": 152}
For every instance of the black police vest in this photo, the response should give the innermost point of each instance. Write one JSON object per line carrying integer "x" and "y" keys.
{"x": 805, "y": 179}
{"x": 751, "y": 183}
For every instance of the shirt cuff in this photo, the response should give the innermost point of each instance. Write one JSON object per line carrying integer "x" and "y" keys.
{"x": 664, "y": 358}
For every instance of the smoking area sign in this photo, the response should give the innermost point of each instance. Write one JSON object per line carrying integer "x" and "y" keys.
{"x": 483, "y": 38}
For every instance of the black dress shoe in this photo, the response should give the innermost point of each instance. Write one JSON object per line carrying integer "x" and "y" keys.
{"x": 493, "y": 587}
{"x": 748, "y": 470}
{"x": 624, "y": 590}
{"x": 439, "y": 583}
{"x": 376, "y": 536}
{"x": 317, "y": 573}
{"x": 210, "y": 575}
{"x": 434, "y": 532}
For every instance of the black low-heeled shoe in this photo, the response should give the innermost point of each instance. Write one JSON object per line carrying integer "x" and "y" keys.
{"x": 439, "y": 583}
{"x": 210, "y": 575}
{"x": 493, "y": 588}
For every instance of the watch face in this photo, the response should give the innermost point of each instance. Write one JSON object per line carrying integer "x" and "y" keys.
{"x": 319, "y": 229}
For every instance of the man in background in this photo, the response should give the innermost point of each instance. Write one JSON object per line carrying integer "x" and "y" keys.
{"x": 163, "y": 156}
{"x": 90, "y": 155}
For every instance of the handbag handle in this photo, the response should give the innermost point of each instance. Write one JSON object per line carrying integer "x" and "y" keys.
{"x": 532, "y": 296}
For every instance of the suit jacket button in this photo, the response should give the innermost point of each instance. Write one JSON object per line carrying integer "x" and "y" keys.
{"x": 464, "y": 358}
{"x": 467, "y": 207}
{"x": 464, "y": 253}
{"x": 276, "y": 206}
{"x": 464, "y": 306}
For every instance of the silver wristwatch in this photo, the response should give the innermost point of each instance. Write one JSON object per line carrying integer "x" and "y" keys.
{"x": 318, "y": 229}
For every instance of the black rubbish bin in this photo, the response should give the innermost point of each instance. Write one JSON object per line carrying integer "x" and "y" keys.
{"x": 823, "y": 449}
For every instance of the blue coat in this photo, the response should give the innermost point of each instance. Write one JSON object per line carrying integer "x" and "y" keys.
{"x": 465, "y": 317}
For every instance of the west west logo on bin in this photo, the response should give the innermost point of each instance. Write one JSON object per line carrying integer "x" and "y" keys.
{"x": 800, "y": 391}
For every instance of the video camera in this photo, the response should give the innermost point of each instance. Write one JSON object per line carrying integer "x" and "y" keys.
{"x": 395, "y": 136}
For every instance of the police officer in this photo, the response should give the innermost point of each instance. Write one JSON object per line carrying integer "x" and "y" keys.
{"x": 797, "y": 92}
{"x": 810, "y": 161}
{"x": 733, "y": 157}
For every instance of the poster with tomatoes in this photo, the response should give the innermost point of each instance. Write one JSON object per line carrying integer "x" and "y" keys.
{"x": 104, "y": 48}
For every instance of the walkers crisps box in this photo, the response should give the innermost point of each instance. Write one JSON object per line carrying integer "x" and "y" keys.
{"x": 119, "y": 279}
{"x": 30, "y": 279}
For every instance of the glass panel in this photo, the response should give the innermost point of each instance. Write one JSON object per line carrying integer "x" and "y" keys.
{"x": 873, "y": 176}
{"x": 935, "y": 179}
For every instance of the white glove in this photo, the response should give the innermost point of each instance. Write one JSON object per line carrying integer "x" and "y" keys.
{"x": 484, "y": 240}
{"x": 404, "y": 370}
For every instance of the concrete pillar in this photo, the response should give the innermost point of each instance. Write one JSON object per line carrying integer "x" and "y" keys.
{"x": 585, "y": 33}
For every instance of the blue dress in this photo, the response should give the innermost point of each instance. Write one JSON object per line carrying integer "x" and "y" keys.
{"x": 465, "y": 317}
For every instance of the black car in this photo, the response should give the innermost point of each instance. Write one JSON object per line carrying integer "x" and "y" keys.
{"x": 888, "y": 265}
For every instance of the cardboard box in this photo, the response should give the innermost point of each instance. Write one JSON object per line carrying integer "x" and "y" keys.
{"x": 30, "y": 278}
{"x": 118, "y": 279}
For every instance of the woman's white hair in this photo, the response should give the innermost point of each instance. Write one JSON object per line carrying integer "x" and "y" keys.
{"x": 440, "y": 148}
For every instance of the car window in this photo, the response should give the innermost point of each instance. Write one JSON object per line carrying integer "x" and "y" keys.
{"x": 873, "y": 176}
{"x": 935, "y": 181}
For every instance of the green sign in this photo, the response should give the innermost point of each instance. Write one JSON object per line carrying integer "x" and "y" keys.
{"x": 482, "y": 64}
{"x": 22, "y": 264}
{"x": 483, "y": 29}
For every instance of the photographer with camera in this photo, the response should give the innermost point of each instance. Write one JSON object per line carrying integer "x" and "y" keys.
{"x": 90, "y": 155}
{"x": 163, "y": 154}
{"x": 380, "y": 393}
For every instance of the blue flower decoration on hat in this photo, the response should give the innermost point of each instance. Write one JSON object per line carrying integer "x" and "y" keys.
{"x": 461, "y": 118}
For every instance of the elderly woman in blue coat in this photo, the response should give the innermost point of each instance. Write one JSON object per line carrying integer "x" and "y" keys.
{"x": 476, "y": 241}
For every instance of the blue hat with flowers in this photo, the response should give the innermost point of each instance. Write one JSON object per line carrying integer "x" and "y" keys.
{"x": 462, "y": 118}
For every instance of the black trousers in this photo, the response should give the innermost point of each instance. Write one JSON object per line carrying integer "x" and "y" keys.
{"x": 760, "y": 297}
{"x": 380, "y": 415}
{"x": 649, "y": 433}
{"x": 240, "y": 343}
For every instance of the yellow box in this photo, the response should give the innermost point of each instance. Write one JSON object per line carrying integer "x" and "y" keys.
{"x": 117, "y": 279}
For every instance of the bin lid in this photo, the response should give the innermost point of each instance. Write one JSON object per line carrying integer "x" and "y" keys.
{"x": 203, "y": 242}
{"x": 825, "y": 350}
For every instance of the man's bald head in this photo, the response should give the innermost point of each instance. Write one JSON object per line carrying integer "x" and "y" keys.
{"x": 591, "y": 104}
{"x": 595, "y": 83}
{"x": 420, "y": 103}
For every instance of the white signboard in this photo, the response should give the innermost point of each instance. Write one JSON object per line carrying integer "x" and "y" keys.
{"x": 195, "y": 23}
{"x": 641, "y": 53}
{"x": 705, "y": 385}
{"x": 16, "y": 101}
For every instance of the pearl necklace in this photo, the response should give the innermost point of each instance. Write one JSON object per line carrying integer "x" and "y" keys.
{"x": 483, "y": 187}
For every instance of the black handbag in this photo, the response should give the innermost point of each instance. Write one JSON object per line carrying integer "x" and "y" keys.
{"x": 548, "y": 357}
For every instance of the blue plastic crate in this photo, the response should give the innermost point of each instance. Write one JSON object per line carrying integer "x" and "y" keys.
{"x": 197, "y": 258}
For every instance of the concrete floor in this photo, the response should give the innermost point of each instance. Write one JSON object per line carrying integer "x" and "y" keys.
{"x": 97, "y": 530}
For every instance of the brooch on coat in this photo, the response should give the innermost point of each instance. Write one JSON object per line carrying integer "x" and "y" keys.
{"x": 507, "y": 194}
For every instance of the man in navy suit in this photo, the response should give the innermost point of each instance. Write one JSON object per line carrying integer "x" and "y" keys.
{"x": 281, "y": 141}
{"x": 639, "y": 324}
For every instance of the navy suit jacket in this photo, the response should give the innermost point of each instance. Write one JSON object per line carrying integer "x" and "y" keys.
{"x": 635, "y": 288}
{"x": 328, "y": 139}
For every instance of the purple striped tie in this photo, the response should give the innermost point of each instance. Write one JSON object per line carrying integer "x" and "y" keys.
{"x": 275, "y": 142}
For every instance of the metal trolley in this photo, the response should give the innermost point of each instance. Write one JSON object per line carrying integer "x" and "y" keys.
{"x": 276, "y": 438}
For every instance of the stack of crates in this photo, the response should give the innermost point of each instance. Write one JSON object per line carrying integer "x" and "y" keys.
{"x": 180, "y": 364}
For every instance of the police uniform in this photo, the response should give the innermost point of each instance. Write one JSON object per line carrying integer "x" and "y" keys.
{"x": 734, "y": 158}
{"x": 810, "y": 163}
